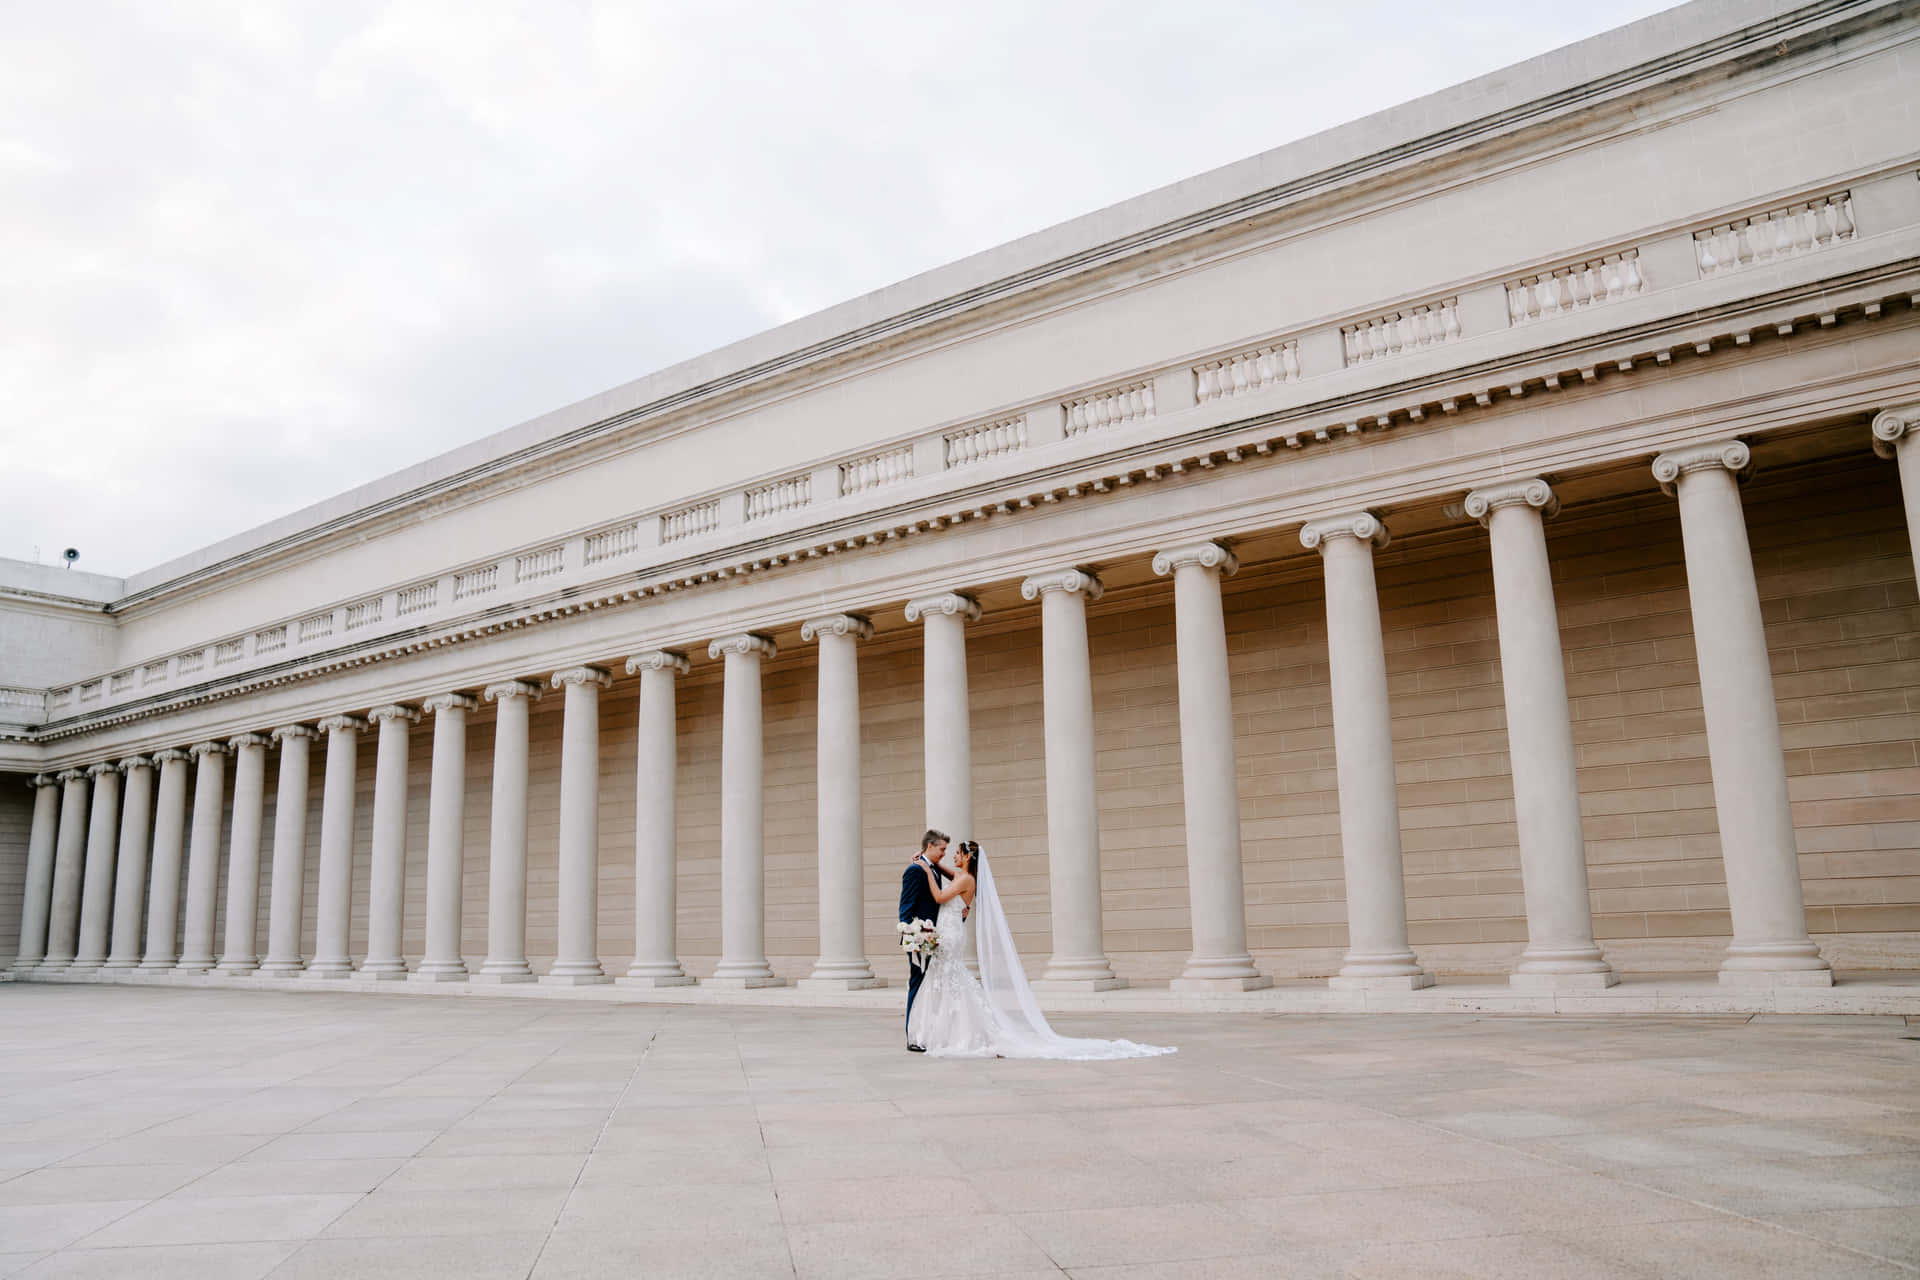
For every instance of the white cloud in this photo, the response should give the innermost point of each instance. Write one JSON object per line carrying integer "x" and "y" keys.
{"x": 255, "y": 254}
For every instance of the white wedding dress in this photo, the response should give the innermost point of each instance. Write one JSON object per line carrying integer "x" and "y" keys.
{"x": 995, "y": 1015}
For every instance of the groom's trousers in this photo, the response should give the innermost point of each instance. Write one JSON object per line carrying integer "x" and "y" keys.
{"x": 916, "y": 970}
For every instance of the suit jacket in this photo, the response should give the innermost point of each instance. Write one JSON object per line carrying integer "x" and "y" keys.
{"x": 916, "y": 895}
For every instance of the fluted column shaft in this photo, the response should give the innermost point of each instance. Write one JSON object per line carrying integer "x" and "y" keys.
{"x": 238, "y": 955}
{"x": 1079, "y": 958}
{"x": 1377, "y": 950}
{"x": 1546, "y": 788}
{"x": 37, "y": 896}
{"x": 335, "y": 879}
{"x": 1770, "y": 942}
{"x": 946, "y": 729}
{"x": 96, "y": 895}
{"x": 288, "y": 893}
{"x": 387, "y": 872}
{"x": 1894, "y": 432}
{"x": 743, "y": 951}
{"x": 507, "y": 849}
{"x": 1210, "y": 787}
{"x": 69, "y": 868}
{"x": 446, "y": 839}
{"x": 656, "y": 959}
{"x": 576, "y": 960}
{"x": 842, "y": 962}
{"x": 203, "y": 856}
{"x": 169, "y": 833}
{"x": 130, "y": 863}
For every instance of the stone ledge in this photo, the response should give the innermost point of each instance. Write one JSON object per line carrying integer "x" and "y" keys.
{"x": 1889, "y": 993}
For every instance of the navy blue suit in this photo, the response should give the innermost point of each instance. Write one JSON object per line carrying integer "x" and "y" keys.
{"x": 917, "y": 903}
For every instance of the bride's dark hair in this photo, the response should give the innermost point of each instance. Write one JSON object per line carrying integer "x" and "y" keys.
{"x": 971, "y": 848}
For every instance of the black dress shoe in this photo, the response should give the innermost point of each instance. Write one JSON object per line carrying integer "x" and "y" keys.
{"x": 914, "y": 1048}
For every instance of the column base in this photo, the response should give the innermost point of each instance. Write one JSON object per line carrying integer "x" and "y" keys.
{"x": 839, "y": 983}
{"x": 574, "y": 980}
{"x": 194, "y": 966}
{"x": 1381, "y": 981}
{"x": 1589, "y": 980}
{"x": 86, "y": 966}
{"x": 1204, "y": 986}
{"x": 502, "y": 976}
{"x": 281, "y": 968}
{"x": 237, "y": 968}
{"x": 1776, "y": 977}
{"x": 383, "y": 971}
{"x": 329, "y": 969}
{"x": 156, "y": 966}
{"x": 651, "y": 981}
{"x": 1108, "y": 983}
{"x": 424, "y": 974}
{"x": 120, "y": 966}
{"x": 745, "y": 982}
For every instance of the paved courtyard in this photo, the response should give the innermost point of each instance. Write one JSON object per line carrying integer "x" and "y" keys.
{"x": 215, "y": 1134}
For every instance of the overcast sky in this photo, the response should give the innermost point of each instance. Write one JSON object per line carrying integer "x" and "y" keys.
{"x": 253, "y": 254}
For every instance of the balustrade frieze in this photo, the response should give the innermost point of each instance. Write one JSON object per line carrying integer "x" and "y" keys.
{"x": 1786, "y": 232}
{"x": 1244, "y": 371}
{"x": 781, "y": 496}
{"x": 1112, "y": 408}
{"x": 1400, "y": 332}
{"x": 876, "y": 471}
{"x": 690, "y": 522}
{"x": 992, "y": 440}
{"x": 1574, "y": 287}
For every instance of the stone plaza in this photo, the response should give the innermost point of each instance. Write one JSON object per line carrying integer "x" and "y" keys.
{"x": 384, "y": 1136}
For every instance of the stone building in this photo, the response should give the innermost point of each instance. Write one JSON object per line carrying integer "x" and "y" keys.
{"x": 1470, "y": 541}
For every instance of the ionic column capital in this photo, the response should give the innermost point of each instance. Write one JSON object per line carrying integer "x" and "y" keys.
{"x": 745, "y": 642}
{"x": 1673, "y": 465}
{"x": 248, "y": 740}
{"x": 40, "y": 780}
{"x": 105, "y": 766}
{"x": 1208, "y": 555}
{"x": 342, "y": 724}
{"x": 287, "y": 732}
{"x": 581, "y": 675}
{"x": 394, "y": 711}
{"x": 1890, "y": 426}
{"x": 948, "y": 603}
{"x": 127, "y": 764}
{"x": 1071, "y": 581}
{"x": 449, "y": 702}
{"x": 202, "y": 749}
{"x": 70, "y": 775}
{"x": 839, "y": 624}
{"x": 659, "y": 660}
{"x": 170, "y": 755}
{"x": 1362, "y": 526}
{"x": 512, "y": 689}
{"x": 1531, "y": 492}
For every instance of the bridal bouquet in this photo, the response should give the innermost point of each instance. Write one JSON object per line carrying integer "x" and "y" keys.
{"x": 918, "y": 938}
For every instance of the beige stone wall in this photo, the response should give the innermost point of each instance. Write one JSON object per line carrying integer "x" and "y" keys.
{"x": 16, "y": 823}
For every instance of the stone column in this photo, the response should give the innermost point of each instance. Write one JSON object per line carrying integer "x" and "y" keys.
{"x": 1893, "y": 435}
{"x": 946, "y": 730}
{"x": 387, "y": 876}
{"x": 1216, "y": 890}
{"x": 169, "y": 834}
{"x": 335, "y": 888}
{"x": 243, "y": 854}
{"x": 38, "y": 893}
{"x": 96, "y": 894}
{"x": 842, "y": 964}
{"x": 69, "y": 866}
{"x": 743, "y": 951}
{"x": 576, "y": 960}
{"x": 1546, "y": 789}
{"x": 1770, "y": 942}
{"x": 1377, "y": 950}
{"x": 1079, "y": 960}
{"x": 446, "y": 839}
{"x": 507, "y": 849}
{"x": 203, "y": 856}
{"x": 656, "y": 959}
{"x": 288, "y": 898}
{"x": 130, "y": 864}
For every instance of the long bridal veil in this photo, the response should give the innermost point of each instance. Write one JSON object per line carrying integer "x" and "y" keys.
{"x": 1023, "y": 1028}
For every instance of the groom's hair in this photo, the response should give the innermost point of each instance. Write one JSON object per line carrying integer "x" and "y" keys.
{"x": 931, "y": 839}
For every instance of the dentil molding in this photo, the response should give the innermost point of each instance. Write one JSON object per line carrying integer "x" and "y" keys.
{"x": 1208, "y": 555}
{"x": 840, "y": 624}
{"x": 659, "y": 660}
{"x": 1363, "y": 526}
{"x": 1531, "y": 492}
{"x": 948, "y": 603}
{"x": 1671, "y": 466}
{"x": 1069, "y": 581}
{"x": 744, "y": 644}
{"x": 1890, "y": 426}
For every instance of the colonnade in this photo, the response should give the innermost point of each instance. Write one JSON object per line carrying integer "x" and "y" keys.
{"x": 89, "y": 851}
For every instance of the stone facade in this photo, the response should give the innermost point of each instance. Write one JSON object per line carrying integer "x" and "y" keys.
{"x": 1453, "y": 544}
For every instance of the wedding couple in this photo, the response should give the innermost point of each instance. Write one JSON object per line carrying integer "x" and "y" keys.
{"x": 952, "y": 1014}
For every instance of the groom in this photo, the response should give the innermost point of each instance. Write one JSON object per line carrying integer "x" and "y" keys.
{"x": 916, "y": 903}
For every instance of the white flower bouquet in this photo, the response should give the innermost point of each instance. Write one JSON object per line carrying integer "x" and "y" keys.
{"x": 918, "y": 938}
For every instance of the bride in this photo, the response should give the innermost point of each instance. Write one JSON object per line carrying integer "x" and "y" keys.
{"x": 994, "y": 1016}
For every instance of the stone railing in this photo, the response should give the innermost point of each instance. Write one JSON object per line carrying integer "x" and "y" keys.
{"x": 228, "y": 652}
{"x": 789, "y": 494}
{"x": 1245, "y": 371}
{"x": 153, "y": 673}
{"x": 90, "y": 692}
{"x": 1132, "y": 403}
{"x": 193, "y": 661}
{"x": 271, "y": 640}
{"x": 876, "y": 471}
{"x": 317, "y": 627}
{"x": 474, "y": 582}
{"x": 1581, "y": 284}
{"x": 416, "y": 599}
{"x": 1399, "y": 332}
{"x": 1786, "y": 232}
{"x": 22, "y": 706}
{"x": 690, "y": 522}
{"x": 364, "y": 613}
{"x": 991, "y": 440}
{"x": 535, "y": 565}
{"x": 122, "y": 681}
{"x": 611, "y": 543}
